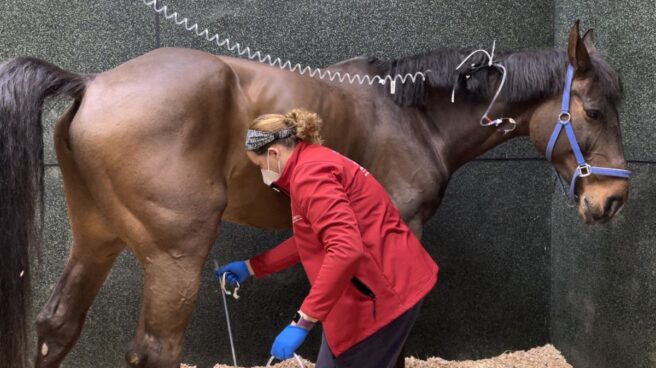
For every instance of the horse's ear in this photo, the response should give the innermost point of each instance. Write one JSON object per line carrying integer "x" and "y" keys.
{"x": 588, "y": 41}
{"x": 576, "y": 52}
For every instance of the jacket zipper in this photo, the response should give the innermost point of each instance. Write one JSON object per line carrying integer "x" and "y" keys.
{"x": 364, "y": 289}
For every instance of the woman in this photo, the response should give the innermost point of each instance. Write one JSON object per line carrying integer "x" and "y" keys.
{"x": 368, "y": 272}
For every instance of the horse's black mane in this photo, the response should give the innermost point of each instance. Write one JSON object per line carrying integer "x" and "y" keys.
{"x": 531, "y": 75}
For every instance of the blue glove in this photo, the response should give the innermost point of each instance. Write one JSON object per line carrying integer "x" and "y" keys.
{"x": 288, "y": 341}
{"x": 237, "y": 271}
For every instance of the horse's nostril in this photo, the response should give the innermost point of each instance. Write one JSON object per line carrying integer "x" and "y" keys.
{"x": 613, "y": 203}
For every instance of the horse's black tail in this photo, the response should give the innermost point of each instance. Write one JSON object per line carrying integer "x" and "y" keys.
{"x": 25, "y": 82}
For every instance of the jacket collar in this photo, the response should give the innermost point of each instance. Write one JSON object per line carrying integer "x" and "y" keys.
{"x": 282, "y": 184}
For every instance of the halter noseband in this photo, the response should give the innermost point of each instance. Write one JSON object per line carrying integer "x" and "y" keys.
{"x": 564, "y": 121}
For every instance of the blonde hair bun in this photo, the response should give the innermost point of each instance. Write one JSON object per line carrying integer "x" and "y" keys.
{"x": 306, "y": 124}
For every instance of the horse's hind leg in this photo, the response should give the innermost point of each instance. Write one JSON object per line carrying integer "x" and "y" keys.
{"x": 59, "y": 323}
{"x": 93, "y": 250}
{"x": 171, "y": 281}
{"x": 173, "y": 251}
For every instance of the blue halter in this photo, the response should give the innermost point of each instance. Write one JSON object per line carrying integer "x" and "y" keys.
{"x": 564, "y": 121}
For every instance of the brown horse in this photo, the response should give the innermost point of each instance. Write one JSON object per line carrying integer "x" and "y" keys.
{"x": 152, "y": 158}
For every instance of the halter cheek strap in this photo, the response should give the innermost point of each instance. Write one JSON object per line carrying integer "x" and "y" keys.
{"x": 564, "y": 122}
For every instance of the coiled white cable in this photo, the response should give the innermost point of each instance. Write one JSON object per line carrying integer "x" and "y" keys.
{"x": 298, "y": 68}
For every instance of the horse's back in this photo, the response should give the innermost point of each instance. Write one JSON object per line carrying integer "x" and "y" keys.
{"x": 165, "y": 81}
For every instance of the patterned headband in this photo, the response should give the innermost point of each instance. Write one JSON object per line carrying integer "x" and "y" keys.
{"x": 256, "y": 138}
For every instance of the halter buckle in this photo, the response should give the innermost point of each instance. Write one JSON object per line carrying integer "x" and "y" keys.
{"x": 584, "y": 170}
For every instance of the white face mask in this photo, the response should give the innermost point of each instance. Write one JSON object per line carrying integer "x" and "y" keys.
{"x": 268, "y": 175}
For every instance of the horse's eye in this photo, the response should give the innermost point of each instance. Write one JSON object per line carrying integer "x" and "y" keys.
{"x": 593, "y": 114}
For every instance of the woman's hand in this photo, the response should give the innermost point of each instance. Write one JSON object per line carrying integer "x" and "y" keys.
{"x": 237, "y": 271}
{"x": 288, "y": 341}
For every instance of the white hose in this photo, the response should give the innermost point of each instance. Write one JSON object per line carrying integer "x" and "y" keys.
{"x": 490, "y": 63}
{"x": 224, "y": 291}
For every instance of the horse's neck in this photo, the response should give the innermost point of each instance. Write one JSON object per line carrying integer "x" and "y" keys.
{"x": 459, "y": 136}
{"x": 447, "y": 135}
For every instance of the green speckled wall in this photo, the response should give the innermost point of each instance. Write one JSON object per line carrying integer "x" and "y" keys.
{"x": 517, "y": 268}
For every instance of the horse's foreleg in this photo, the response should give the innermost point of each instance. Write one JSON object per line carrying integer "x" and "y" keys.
{"x": 59, "y": 323}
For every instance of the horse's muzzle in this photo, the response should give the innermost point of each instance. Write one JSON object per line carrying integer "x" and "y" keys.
{"x": 600, "y": 214}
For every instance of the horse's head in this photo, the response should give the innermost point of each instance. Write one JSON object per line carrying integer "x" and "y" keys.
{"x": 598, "y": 189}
